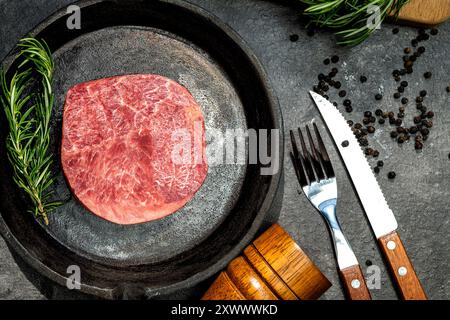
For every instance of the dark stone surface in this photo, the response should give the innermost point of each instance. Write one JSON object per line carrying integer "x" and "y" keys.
{"x": 419, "y": 196}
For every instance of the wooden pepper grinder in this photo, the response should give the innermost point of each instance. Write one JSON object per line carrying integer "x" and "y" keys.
{"x": 272, "y": 267}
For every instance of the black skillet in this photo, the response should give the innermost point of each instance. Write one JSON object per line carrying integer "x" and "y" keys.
{"x": 183, "y": 42}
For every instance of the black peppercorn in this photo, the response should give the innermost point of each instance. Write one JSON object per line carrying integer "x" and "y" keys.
{"x": 326, "y": 61}
{"x": 363, "y": 79}
{"x": 427, "y": 75}
{"x": 404, "y": 84}
{"x": 342, "y": 93}
{"x": 391, "y": 175}
{"x": 394, "y": 134}
{"x": 334, "y": 59}
{"x": 421, "y": 49}
{"x": 293, "y": 37}
{"x": 404, "y": 100}
{"x": 407, "y": 50}
{"x": 409, "y": 70}
{"x": 372, "y": 119}
{"x": 363, "y": 142}
{"x": 391, "y": 120}
{"x": 413, "y": 130}
{"x": 350, "y": 123}
{"x": 434, "y": 31}
{"x": 358, "y": 125}
{"x": 419, "y": 99}
{"x": 413, "y": 58}
{"x": 397, "y": 79}
{"x": 396, "y": 95}
{"x": 371, "y": 129}
{"x": 401, "y": 139}
{"x": 423, "y": 93}
{"x": 430, "y": 114}
{"x": 380, "y": 163}
{"x": 401, "y": 89}
{"x": 337, "y": 84}
{"x": 400, "y": 115}
{"x": 378, "y": 112}
{"x": 398, "y": 122}
{"x": 378, "y": 96}
{"x": 376, "y": 170}
{"x": 348, "y": 109}
{"x": 366, "y": 121}
{"x": 381, "y": 121}
{"x": 414, "y": 42}
{"x": 417, "y": 119}
{"x": 368, "y": 151}
{"x": 367, "y": 114}
{"x": 427, "y": 123}
{"x": 425, "y": 131}
{"x": 395, "y": 73}
{"x": 408, "y": 64}
{"x": 402, "y": 72}
{"x": 418, "y": 145}
{"x": 376, "y": 153}
{"x": 321, "y": 76}
{"x": 395, "y": 30}
{"x": 401, "y": 109}
{"x": 347, "y": 102}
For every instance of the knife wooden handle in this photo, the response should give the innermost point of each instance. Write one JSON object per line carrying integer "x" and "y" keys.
{"x": 354, "y": 283}
{"x": 401, "y": 267}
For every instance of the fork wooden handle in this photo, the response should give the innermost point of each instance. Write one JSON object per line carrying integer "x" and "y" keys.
{"x": 354, "y": 283}
{"x": 401, "y": 268}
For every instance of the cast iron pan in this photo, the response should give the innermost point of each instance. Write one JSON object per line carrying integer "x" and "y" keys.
{"x": 185, "y": 43}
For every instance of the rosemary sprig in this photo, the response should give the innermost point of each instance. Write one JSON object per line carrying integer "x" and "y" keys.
{"x": 28, "y": 102}
{"x": 349, "y": 17}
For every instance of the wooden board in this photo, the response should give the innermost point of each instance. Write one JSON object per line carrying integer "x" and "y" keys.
{"x": 425, "y": 12}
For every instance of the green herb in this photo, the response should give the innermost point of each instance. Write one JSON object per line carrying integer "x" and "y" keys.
{"x": 27, "y": 100}
{"x": 350, "y": 17}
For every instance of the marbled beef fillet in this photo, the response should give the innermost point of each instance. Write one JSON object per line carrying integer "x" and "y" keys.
{"x": 117, "y": 147}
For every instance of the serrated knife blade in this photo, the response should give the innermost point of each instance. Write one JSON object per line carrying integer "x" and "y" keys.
{"x": 380, "y": 216}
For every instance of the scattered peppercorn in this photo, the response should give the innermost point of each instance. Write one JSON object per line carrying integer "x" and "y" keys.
{"x": 326, "y": 61}
{"x": 342, "y": 93}
{"x": 394, "y": 134}
{"x": 404, "y": 84}
{"x": 366, "y": 121}
{"x": 367, "y": 114}
{"x": 398, "y": 122}
{"x": 368, "y": 151}
{"x": 376, "y": 170}
{"x": 380, "y": 163}
{"x": 358, "y": 125}
{"x": 414, "y": 42}
{"x": 430, "y": 114}
{"x": 363, "y": 79}
{"x": 400, "y": 115}
{"x": 417, "y": 119}
{"x": 371, "y": 129}
{"x": 396, "y": 95}
{"x": 349, "y": 109}
{"x": 404, "y": 100}
{"x": 424, "y": 131}
{"x": 334, "y": 70}
{"x": 434, "y": 31}
{"x": 421, "y": 49}
{"x": 337, "y": 84}
{"x": 395, "y": 30}
{"x": 419, "y": 99}
{"x": 427, "y": 75}
{"x": 334, "y": 59}
{"x": 378, "y": 96}
{"x": 350, "y": 123}
{"x": 391, "y": 175}
{"x": 347, "y": 102}
{"x": 407, "y": 50}
{"x": 423, "y": 93}
{"x": 376, "y": 153}
{"x": 294, "y": 37}
{"x": 381, "y": 121}
{"x": 401, "y": 109}
{"x": 418, "y": 145}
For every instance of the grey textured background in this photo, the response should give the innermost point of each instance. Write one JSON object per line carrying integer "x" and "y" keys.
{"x": 419, "y": 196}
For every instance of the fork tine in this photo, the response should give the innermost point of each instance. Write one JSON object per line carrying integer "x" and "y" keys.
{"x": 307, "y": 159}
{"x": 297, "y": 162}
{"x": 326, "y": 162}
{"x": 315, "y": 158}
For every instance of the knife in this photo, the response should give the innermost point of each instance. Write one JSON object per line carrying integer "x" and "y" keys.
{"x": 381, "y": 217}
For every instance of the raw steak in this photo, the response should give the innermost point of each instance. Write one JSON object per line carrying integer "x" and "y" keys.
{"x": 117, "y": 146}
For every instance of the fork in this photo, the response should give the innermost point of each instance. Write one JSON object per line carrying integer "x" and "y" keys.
{"x": 318, "y": 182}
